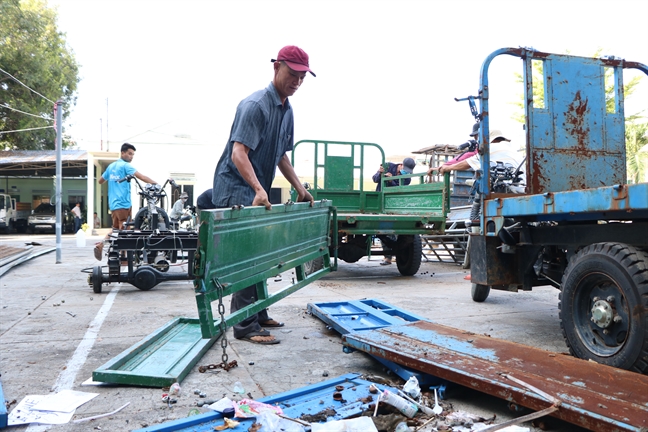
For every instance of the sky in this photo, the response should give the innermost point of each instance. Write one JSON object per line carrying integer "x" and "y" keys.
{"x": 387, "y": 70}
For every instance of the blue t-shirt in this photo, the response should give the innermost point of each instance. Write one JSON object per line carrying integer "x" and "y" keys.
{"x": 119, "y": 194}
{"x": 265, "y": 126}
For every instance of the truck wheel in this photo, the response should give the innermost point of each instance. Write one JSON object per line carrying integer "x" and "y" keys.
{"x": 602, "y": 315}
{"x": 96, "y": 279}
{"x": 408, "y": 260}
{"x": 479, "y": 292}
{"x": 311, "y": 267}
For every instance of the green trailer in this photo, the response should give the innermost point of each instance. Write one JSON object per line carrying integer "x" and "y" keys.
{"x": 398, "y": 215}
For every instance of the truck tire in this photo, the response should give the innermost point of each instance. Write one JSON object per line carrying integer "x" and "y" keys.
{"x": 311, "y": 267}
{"x": 408, "y": 259}
{"x": 479, "y": 292}
{"x": 601, "y": 310}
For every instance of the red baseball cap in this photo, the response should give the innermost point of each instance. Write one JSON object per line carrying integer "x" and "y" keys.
{"x": 295, "y": 57}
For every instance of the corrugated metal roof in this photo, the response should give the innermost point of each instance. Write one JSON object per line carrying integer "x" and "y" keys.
{"x": 37, "y": 156}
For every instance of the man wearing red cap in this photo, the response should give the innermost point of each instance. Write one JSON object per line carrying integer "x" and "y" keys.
{"x": 261, "y": 135}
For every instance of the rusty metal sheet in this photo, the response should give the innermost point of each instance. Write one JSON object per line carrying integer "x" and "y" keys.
{"x": 594, "y": 396}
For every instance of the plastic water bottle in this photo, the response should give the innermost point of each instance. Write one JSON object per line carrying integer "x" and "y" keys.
{"x": 407, "y": 408}
{"x": 80, "y": 238}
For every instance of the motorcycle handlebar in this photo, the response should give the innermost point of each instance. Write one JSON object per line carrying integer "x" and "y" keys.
{"x": 127, "y": 178}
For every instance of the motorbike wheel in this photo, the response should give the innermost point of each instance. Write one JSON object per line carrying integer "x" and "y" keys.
{"x": 601, "y": 306}
{"x": 479, "y": 292}
{"x": 142, "y": 219}
{"x": 408, "y": 260}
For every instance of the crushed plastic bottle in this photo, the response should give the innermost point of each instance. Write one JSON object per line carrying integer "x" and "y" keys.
{"x": 238, "y": 388}
{"x": 175, "y": 389}
{"x": 402, "y": 427}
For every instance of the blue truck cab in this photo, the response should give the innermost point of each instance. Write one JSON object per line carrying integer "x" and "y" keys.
{"x": 579, "y": 225}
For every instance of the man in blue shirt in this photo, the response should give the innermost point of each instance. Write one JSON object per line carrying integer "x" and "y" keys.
{"x": 119, "y": 194}
{"x": 406, "y": 167}
{"x": 261, "y": 135}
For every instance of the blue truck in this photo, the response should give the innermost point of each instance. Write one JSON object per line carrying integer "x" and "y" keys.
{"x": 579, "y": 225}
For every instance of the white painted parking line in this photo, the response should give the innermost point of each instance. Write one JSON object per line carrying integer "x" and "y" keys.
{"x": 66, "y": 379}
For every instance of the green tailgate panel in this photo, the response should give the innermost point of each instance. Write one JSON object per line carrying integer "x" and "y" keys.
{"x": 164, "y": 357}
{"x": 425, "y": 199}
{"x": 237, "y": 248}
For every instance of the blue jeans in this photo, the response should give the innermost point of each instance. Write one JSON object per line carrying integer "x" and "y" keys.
{"x": 77, "y": 224}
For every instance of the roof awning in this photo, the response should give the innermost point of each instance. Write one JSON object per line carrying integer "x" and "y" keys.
{"x": 42, "y": 163}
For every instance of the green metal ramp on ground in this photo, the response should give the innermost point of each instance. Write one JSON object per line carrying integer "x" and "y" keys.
{"x": 237, "y": 248}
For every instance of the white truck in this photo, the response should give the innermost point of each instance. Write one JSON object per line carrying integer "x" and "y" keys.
{"x": 13, "y": 215}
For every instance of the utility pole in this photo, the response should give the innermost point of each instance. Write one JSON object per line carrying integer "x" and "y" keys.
{"x": 101, "y": 134}
{"x": 59, "y": 177}
{"x": 107, "y": 140}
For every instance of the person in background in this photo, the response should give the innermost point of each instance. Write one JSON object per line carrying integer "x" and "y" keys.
{"x": 76, "y": 211}
{"x": 472, "y": 146}
{"x": 178, "y": 207}
{"x": 261, "y": 134}
{"x": 407, "y": 167}
{"x": 97, "y": 221}
{"x": 119, "y": 194}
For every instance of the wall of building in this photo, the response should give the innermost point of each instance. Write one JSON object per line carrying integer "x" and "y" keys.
{"x": 38, "y": 190}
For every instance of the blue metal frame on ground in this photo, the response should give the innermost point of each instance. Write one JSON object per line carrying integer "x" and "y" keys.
{"x": 369, "y": 314}
{"x": 294, "y": 403}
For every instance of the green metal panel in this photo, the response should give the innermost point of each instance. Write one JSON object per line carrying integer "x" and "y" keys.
{"x": 389, "y": 224}
{"x": 242, "y": 247}
{"x": 164, "y": 357}
{"x": 428, "y": 198}
{"x": 339, "y": 173}
{"x": 237, "y": 248}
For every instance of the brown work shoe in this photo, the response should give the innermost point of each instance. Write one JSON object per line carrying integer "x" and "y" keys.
{"x": 98, "y": 250}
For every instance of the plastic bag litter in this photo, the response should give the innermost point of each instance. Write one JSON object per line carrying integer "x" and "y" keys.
{"x": 270, "y": 422}
{"x": 412, "y": 388}
{"x": 359, "y": 424}
{"x": 246, "y": 408}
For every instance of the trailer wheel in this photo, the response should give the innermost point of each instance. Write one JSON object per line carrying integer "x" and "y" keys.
{"x": 602, "y": 315}
{"x": 408, "y": 259}
{"x": 479, "y": 292}
{"x": 96, "y": 279}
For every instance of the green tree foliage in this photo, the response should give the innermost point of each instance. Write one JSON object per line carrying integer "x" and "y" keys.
{"x": 637, "y": 151}
{"x": 636, "y": 131}
{"x": 33, "y": 52}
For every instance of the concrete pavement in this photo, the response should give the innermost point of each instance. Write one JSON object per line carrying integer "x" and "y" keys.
{"x": 54, "y": 331}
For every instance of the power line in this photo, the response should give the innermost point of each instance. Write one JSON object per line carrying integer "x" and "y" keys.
{"x": 22, "y": 130}
{"x": 5, "y": 105}
{"x": 31, "y": 90}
